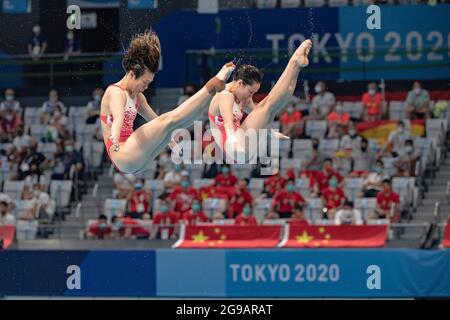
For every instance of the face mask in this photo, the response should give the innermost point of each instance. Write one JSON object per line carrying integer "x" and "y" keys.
{"x": 401, "y": 129}
{"x": 163, "y": 208}
{"x": 177, "y": 168}
{"x": 372, "y": 92}
{"x": 9, "y": 98}
{"x": 69, "y": 148}
{"x": 379, "y": 170}
{"x": 291, "y": 188}
{"x": 69, "y": 36}
{"x": 53, "y": 99}
{"x": 408, "y": 149}
{"x": 102, "y": 225}
{"x": 290, "y": 109}
{"x": 333, "y": 183}
{"x": 138, "y": 186}
{"x": 225, "y": 170}
{"x": 36, "y": 30}
{"x": 417, "y": 90}
{"x": 246, "y": 211}
{"x": 352, "y": 132}
{"x": 97, "y": 97}
{"x": 196, "y": 207}
{"x": 118, "y": 224}
{"x": 185, "y": 184}
{"x": 317, "y": 89}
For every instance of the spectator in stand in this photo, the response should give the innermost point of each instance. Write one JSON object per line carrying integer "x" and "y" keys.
{"x": 348, "y": 215}
{"x": 338, "y": 121}
{"x": 321, "y": 179}
{"x": 165, "y": 222}
{"x": 372, "y": 103}
{"x": 22, "y": 141}
{"x": 72, "y": 45}
{"x": 33, "y": 163}
{"x": 183, "y": 195}
{"x": 53, "y": 101}
{"x": 37, "y": 45}
{"x": 10, "y": 103}
{"x": 418, "y": 103}
{"x": 173, "y": 177}
{"x": 48, "y": 133}
{"x": 333, "y": 198}
{"x": 314, "y": 162}
{"x": 99, "y": 229}
{"x": 396, "y": 141}
{"x": 9, "y": 125}
{"x": 406, "y": 162}
{"x": 240, "y": 198}
{"x": 226, "y": 178}
{"x": 273, "y": 184}
{"x": 352, "y": 140}
{"x": 373, "y": 182}
{"x": 59, "y": 121}
{"x": 284, "y": 202}
{"x": 362, "y": 159}
{"x": 322, "y": 103}
{"x": 291, "y": 122}
{"x": 388, "y": 204}
{"x": 298, "y": 216}
{"x": 195, "y": 214}
{"x": 6, "y": 218}
{"x": 118, "y": 230}
{"x": 246, "y": 218}
{"x": 138, "y": 201}
{"x": 93, "y": 106}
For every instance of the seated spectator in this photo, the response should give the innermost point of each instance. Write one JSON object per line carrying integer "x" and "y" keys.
{"x": 226, "y": 178}
{"x": 134, "y": 229}
{"x": 362, "y": 158}
{"x": 72, "y": 46}
{"x": 291, "y": 122}
{"x": 337, "y": 119}
{"x": 348, "y": 215}
{"x": 418, "y": 103}
{"x": 240, "y": 198}
{"x": 10, "y": 103}
{"x": 118, "y": 230}
{"x": 320, "y": 180}
{"x": 352, "y": 140}
{"x": 298, "y": 216}
{"x": 22, "y": 140}
{"x": 333, "y": 198}
{"x": 9, "y": 125}
{"x": 34, "y": 176}
{"x": 273, "y": 184}
{"x": 388, "y": 204}
{"x": 100, "y": 229}
{"x": 396, "y": 141}
{"x": 314, "y": 161}
{"x": 6, "y": 218}
{"x": 138, "y": 201}
{"x": 93, "y": 106}
{"x": 58, "y": 120}
{"x": 195, "y": 214}
{"x": 182, "y": 196}
{"x": 123, "y": 184}
{"x": 284, "y": 202}
{"x": 37, "y": 45}
{"x": 322, "y": 103}
{"x": 372, "y": 103}
{"x": 71, "y": 158}
{"x": 246, "y": 218}
{"x": 48, "y": 107}
{"x": 48, "y": 132}
{"x": 165, "y": 222}
{"x": 405, "y": 163}
{"x": 373, "y": 182}
{"x": 173, "y": 177}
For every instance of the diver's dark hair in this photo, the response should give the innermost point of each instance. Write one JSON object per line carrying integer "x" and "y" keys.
{"x": 143, "y": 54}
{"x": 248, "y": 74}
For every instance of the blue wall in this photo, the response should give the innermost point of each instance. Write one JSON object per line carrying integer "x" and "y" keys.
{"x": 227, "y": 273}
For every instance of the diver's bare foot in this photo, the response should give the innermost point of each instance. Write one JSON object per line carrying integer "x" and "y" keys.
{"x": 300, "y": 55}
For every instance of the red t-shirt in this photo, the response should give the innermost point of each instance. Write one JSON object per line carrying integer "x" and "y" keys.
{"x": 139, "y": 201}
{"x": 99, "y": 232}
{"x": 243, "y": 220}
{"x": 322, "y": 179}
{"x": 386, "y": 200}
{"x": 287, "y": 118}
{"x": 183, "y": 198}
{"x": 274, "y": 183}
{"x": 226, "y": 181}
{"x": 136, "y": 230}
{"x": 372, "y": 103}
{"x": 297, "y": 222}
{"x": 168, "y": 218}
{"x": 333, "y": 198}
{"x": 285, "y": 200}
{"x": 192, "y": 218}
{"x": 339, "y": 118}
{"x": 237, "y": 204}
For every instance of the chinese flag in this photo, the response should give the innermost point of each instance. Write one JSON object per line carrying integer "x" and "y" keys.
{"x": 446, "y": 241}
{"x": 7, "y": 234}
{"x": 344, "y": 236}
{"x": 230, "y": 236}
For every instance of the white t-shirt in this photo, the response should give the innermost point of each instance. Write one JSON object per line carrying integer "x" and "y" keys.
{"x": 375, "y": 178}
{"x": 348, "y": 216}
{"x": 7, "y": 220}
{"x": 398, "y": 139}
{"x": 323, "y": 102}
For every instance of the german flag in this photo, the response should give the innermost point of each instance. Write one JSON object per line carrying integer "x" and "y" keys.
{"x": 229, "y": 236}
{"x": 343, "y": 236}
{"x": 380, "y": 129}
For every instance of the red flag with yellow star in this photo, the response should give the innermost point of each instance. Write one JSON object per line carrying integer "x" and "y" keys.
{"x": 230, "y": 236}
{"x": 343, "y": 236}
{"x": 446, "y": 241}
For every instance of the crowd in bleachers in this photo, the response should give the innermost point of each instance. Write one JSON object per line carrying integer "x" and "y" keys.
{"x": 337, "y": 3}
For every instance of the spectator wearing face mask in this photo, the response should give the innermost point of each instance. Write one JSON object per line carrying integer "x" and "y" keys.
{"x": 348, "y": 215}
{"x": 273, "y": 184}
{"x": 138, "y": 201}
{"x": 93, "y": 106}
{"x": 333, "y": 198}
{"x": 240, "y": 198}
{"x": 418, "y": 103}
{"x": 9, "y": 125}
{"x": 396, "y": 140}
{"x": 183, "y": 195}
{"x": 246, "y": 218}
{"x": 314, "y": 161}
{"x": 362, "y": 158}
{"x": 323, "y": 102}
{"x": 49, "y": 106}
{"x": 372, "y": 183}
{"x": 173, "y": 177}
{"x": 10, "y": 103}
{"x": 372, "y": 103}
{"x": 195, "y": 214}
{"x": 99, "y": 229}
{"x": 226, "y": 178}
{"x": 37, "y": 45}
{"x": 337, "y": 119}
{"x": 388, "y": 204}
{"x": 291, "y": 122}
{"x": 165, "y": 222}
{"x": 22, "y": 140}
{"x": 72, "y": 46}
{"x": 284, "y": 202}
{"x": 321, "y": 179}
{"x": 407, "y": 159}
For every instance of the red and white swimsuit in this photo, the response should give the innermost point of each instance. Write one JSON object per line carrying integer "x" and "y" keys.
{"x": 131, "y": 108}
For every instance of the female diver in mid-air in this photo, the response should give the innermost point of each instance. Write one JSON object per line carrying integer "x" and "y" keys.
{"x": 226, "y": 108}
{"x": 131, "y": 151}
